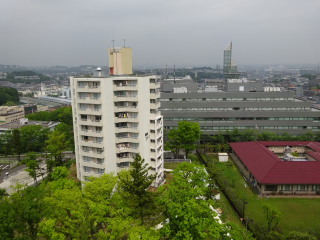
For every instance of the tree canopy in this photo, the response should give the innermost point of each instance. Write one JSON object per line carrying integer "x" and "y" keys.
{"x": 8, "y": 96}
{"x": 184, "y": 137}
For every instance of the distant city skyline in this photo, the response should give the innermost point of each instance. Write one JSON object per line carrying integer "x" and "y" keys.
{"x": 182, "y": 33}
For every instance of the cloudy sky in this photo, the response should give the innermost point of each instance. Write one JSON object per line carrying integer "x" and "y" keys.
{"x": 161, "y": 32}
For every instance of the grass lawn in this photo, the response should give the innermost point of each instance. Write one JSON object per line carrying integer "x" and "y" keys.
{"x": 170, "y": 165}
{"x": 297, "y": 214}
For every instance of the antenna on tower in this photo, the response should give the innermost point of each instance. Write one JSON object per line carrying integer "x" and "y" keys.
{"x": 124, "y": 42}
{"x": 174, "y": 73}
{"x": 113, "y": 39}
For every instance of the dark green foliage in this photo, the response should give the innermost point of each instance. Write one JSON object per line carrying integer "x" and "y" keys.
{"x": 63, "y": 114}
{"x": 236, "y": 135}
{"x": 185, "y": 137}
{"x": 134, "y": 186}
{"x": 27, "y": 207}
{"x": 8, "y": 95}
{"x": 26, "y": 139}
{"x": 299, "y": 236}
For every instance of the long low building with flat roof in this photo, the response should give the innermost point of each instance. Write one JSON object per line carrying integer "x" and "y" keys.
{"x": 217, "y": 112}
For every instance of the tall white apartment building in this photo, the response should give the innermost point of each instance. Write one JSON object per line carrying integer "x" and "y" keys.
{"x": 115, "y": 118}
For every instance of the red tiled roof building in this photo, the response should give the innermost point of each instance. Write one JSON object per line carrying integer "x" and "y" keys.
{"x": 275, "y": 167}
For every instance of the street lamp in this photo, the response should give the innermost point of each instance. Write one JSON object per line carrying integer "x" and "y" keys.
{"x": 248, "y": 220}
{"x": 244, "y": 207}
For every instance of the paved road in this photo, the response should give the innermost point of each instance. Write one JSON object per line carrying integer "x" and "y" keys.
{"x": 11, "y": 171}
{"x": 16, "y": 175}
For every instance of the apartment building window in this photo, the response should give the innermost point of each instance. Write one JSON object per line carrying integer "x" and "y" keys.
{"x": 95, "y": 84}
{"x": 99, "y": 150}
{"x": 98, "y": 118}
{"x": 100, "y": 170}
{"x": 84, "y": 128}
{"x": 83, "y": 106}
{"x": 87, "y": 169}
{"x": 152, "y": 150}
{"x": 84, "y": 117}
{"x": 123, "y": 164}
{"x": 82, "y": 84}
{"x": 82, "y": 95}
{"x": 98, "y": 129}
{"x": 97, "y": 107}
{"x": 85, "y": 138}
{"x": 96, "y": 96}
{"x": 86, "y": 159}
{"x": 85, "y": 149}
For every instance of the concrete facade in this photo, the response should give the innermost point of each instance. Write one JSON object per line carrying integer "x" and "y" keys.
{"x": 114, "y": 119}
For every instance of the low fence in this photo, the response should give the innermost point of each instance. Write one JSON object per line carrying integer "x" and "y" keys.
{"x": 170, "y": 160}
{"x": 238, "y": 208}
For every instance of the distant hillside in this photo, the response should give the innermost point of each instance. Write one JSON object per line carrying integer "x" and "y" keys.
{"x": 8, "y": 96}
{"x": 26, "y": 76}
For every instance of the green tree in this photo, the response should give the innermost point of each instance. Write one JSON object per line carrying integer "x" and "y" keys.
{"x": 7, "y": 218}
{"x": 32, "y": 163}
{"x": 189, "y": 214}
{"x": 66, "y": 213}
{"x": 56, "y": 144}
{"x": 33, "y": 138}
{"x": 185, "y": 137}
{"x": 134, "y": 186}
{"x": 28, "y": 210}
{"x": 272, "y": 216}
{"x": 16, "y": 144}
{"x": 66, "y": 129}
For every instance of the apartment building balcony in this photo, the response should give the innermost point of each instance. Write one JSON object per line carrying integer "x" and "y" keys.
{"x": 127, "y": 139}
{"x": 92, "y": 174}
{"x": 155, "y": 115}
{"x": 127, "y": 149}
{"x": 152, "y": 145}
{"x": 126, "y": 119}
{"x": 91, "y": 153}
{"x": 155, "y": 95}
{"x": 122, "y": 98}
{"x": 93, "y": 164}
{"x": 126, "y": 129}
{"x": 155, "y": 105}
{"x": 125, "y": 86}
{"x": 126, "y": 109}
{"x": 124, "y": 159}
{"x": 155, "y": 85}
{"x": 92, "y": 133}
{"x": 90, "y": 143}
{"x": 89, "y": 110}
{"x": 91, "y": 122}
{"x": 89, "y": 100}
{"x": 93, "y": 89}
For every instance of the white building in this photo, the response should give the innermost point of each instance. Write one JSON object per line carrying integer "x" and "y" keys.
{"x": 115, "y": 118}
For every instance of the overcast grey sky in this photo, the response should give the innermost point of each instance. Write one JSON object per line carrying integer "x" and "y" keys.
{"x": 180, "y": 32}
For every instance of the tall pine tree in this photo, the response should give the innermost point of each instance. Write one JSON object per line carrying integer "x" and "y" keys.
{"x": 134, "y": 188}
